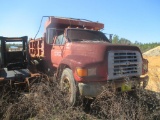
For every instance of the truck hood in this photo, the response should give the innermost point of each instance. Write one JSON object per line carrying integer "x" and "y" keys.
{"x": 98, "y": 50}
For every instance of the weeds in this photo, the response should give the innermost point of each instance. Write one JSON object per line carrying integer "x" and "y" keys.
{"x": 45, "y": 101}
{"x": 124, "y": 106}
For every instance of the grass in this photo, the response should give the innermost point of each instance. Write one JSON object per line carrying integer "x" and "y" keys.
{"x": 45, "y": 101}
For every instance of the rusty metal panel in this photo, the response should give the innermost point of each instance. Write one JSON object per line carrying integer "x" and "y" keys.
{"x": 68, "y": 22}
{"x": 36, "y": 48}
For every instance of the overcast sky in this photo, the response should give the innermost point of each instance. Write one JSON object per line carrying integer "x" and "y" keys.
{"x": 136, "y": 20}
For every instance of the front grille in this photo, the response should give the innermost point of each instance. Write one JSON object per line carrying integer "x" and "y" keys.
{"x": 124, "y": 63}
{"x": 123, "y": 57}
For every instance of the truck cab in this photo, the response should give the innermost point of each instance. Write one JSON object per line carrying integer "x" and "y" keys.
{"x": 62, "y": 43}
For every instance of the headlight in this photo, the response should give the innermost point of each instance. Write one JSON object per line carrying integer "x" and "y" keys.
{"x": 82, "y": 72}
{"x": 92, "y": 71}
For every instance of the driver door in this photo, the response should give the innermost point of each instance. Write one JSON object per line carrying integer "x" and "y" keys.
{"x": 57, "y": 50}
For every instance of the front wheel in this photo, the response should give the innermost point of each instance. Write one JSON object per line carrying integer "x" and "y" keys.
{"x": 69, "y": 87}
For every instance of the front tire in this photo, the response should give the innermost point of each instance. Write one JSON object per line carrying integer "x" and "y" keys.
{"x": 69, "y": 87}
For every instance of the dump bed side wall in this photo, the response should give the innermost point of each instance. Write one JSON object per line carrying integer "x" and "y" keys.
{"x": 36, "y": 48}
{"x": 40, "y": 49}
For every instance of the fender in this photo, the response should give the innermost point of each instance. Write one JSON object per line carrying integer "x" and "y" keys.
{"x": 74, "y": 61}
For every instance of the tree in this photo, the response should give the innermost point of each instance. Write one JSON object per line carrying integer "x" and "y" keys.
{"x": 124, "y": 41}
{"x": 115, "y": 39}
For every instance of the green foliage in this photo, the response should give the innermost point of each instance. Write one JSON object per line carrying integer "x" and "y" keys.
{"x": 115, "y": 39}
{"x": 146, "y": 46}
{"x": 143, "y": 46}
{"x": 124, "y": 41}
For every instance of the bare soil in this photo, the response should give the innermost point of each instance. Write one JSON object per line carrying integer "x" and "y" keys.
{"x": 153, "y": 73}
{"x": 153, "y": 57}
{"x": 153, "y": 52}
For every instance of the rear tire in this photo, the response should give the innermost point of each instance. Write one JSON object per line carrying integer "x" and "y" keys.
{"x": 69, "y": 87}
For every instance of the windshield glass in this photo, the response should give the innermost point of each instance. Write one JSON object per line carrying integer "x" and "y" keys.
{"x": 85, "y": 35}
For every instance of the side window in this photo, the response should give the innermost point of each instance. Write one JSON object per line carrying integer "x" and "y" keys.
{"x": 60, "y": 40}
{"x": 51, "y": 32}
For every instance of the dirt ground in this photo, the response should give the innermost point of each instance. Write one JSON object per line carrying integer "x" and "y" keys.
{"x": 153, "y": 52}
{"x": 153, "y": 56}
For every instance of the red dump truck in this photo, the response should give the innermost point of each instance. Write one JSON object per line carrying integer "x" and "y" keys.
{"x": 85, "y": 60}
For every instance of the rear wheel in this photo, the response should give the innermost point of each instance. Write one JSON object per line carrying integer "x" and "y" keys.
{"x": 69, "y": 87}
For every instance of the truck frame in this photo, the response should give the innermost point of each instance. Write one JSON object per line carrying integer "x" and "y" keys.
{"x": 14, "y": 63}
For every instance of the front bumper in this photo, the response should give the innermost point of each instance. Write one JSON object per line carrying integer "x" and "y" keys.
{"x": 93, "y": 89}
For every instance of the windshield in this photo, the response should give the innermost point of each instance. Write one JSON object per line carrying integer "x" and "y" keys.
{"x": 85, "y": 35}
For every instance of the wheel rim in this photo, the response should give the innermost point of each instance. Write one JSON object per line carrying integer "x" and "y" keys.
{"x": 67, "y": 88}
